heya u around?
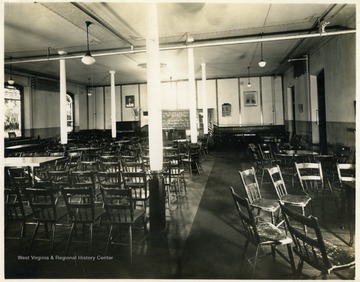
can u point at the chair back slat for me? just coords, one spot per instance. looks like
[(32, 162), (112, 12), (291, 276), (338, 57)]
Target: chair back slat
[(118, 205), (310, 246), (278, 181), (250, 183), (246, 217), (80, 204), (43, 204)]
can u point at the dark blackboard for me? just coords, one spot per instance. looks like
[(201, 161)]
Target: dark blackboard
[(179, 119)]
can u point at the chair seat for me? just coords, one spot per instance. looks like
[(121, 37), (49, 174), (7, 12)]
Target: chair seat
[(269, 232), (99, 212), (140, 195), (269, 205), (296, 200), (338, 257), (125, 218)]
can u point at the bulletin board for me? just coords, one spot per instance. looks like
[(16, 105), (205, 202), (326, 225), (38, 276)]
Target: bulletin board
[(176, 119)]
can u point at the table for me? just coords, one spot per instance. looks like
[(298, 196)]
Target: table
[(20, 148), (349, 187), (302, 155), (299, 153), (30, 162)]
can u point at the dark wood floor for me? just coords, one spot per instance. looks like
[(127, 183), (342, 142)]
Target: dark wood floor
[(163, 255)]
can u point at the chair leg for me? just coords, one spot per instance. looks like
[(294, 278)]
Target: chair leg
[(303, 213), (244, 253), (130, 244), (69, 238), (255, 261), (299, 269), (34, 235), (52, 238), (91, 236), (109, 239), (22, 234), (262, 177), (291, 258)]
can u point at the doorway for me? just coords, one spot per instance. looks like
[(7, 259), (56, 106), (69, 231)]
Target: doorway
[(322, 112), (292, 89)]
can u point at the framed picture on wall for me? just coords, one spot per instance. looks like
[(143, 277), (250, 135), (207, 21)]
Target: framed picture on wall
[(250, 98), (129, 101)]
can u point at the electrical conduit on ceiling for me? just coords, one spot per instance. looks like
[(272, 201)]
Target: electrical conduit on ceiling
[(210, 43)]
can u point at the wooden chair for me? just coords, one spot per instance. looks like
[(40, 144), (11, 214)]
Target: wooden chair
[(346, 176), (251, 186), (312, 248), (137, 182), (82, 211), (312, 183), (191, 160), (74, 159), (300, 201), (121, 213), (85, 179), (177, 172), (109, 179), (46, 213), (171, 187), (15, 213), (260, 162), (261, 234), (343, 154)]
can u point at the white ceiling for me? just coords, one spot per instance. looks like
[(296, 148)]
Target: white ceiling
[(35, 32)]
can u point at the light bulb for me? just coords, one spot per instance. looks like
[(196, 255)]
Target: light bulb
[(262, 64), (249, 84), (11, 81)]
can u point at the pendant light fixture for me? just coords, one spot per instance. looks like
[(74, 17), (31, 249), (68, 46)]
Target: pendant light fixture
[(262, 63), (249, 84), (89, 89), (88, 59), (11, 81)]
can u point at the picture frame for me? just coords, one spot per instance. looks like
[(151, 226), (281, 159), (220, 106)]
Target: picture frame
[(130, 101), (250, 98)]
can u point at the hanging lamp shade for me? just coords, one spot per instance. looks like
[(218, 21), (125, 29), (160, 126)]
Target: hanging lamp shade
[(87, 59), (262, 63), (89, 89), (11, 81)]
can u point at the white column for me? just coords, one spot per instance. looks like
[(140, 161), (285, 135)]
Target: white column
[(113, 104), (192, 95), (204, 98), (154, 90), (63, 121)]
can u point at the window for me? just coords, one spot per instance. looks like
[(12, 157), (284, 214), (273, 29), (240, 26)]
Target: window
[(13, 114), (70, 112)]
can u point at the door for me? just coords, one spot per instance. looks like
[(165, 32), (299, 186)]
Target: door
[(321, 114), (293, 110)]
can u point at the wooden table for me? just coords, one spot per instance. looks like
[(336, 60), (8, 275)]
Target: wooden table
[(299, 155), (349, 187), (20, 148), (30, 162)]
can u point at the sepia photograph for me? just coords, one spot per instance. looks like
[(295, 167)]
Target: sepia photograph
[(179, 140)]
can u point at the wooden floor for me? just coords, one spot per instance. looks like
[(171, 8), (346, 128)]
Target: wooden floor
[(162, 255)]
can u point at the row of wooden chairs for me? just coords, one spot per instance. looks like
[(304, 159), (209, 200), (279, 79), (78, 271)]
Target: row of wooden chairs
[(41, 207), (310, 176)]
